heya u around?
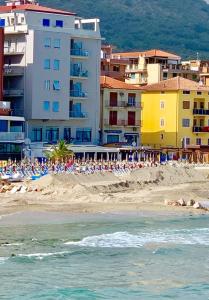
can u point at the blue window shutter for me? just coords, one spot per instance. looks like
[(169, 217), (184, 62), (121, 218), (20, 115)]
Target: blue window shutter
[(2, 22), (46, 22), (59, 23)]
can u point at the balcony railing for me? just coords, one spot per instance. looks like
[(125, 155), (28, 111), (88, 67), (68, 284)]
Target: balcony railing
[(14, 50), (78, 114), (78, 94), (200, 111), (12, 136), (201, 129), (13, 71), (82, 74), (123, 104), (79, 52), (137, 123), (13, 93)]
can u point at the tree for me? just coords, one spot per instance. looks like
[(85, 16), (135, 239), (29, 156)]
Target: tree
[(59, 152)]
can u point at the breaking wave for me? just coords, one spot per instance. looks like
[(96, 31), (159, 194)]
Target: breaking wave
[(127, 240)]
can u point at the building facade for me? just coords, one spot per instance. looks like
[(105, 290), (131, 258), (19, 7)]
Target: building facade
[(153, 66), (110, 66), (51, 72), (175, 114), (120, 113)]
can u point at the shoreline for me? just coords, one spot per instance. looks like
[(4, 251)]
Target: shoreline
[(141, 191)]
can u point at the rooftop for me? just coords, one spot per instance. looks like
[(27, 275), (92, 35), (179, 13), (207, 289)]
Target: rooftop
[(175, 84), (148, 53), (111, 83), (34, 8)]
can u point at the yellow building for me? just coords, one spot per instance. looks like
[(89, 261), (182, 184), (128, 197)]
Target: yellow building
[(175, 113)]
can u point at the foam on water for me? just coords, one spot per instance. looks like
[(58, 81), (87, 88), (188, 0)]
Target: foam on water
[(3, 260), (127, 240), (42, 255)]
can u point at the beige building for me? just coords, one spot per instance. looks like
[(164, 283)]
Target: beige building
[(153, 66), (120, 112)]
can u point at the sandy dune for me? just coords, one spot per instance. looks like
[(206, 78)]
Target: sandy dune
[(142, 190)]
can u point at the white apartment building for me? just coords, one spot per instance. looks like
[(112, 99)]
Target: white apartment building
[(52, 69)]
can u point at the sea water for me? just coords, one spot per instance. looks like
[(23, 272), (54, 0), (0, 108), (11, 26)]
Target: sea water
[(111, 256)]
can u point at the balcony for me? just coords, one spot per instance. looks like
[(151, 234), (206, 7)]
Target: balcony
[(13, 71), (201, 111), (135, 68), (203, 129), (123, 104), (79, 53), (14, 50), (12, 136), (78, 94), (136, 123), (78, 115), (13, 93), (79, 74)]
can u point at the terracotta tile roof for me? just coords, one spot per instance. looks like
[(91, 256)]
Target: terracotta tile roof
[(111, 83), (35, 8), (149, 53), (175, 84)]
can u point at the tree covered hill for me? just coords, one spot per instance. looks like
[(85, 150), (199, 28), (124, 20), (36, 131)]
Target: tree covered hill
[(180, 26)]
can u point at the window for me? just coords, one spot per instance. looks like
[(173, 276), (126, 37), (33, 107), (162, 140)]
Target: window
[(59, 23), (46, 105), (47, 64), (2, 22), (165, 75), (112, 138), (198, 141), (133, 76), (162, 92), (57, 43), (56, 65), (199, 93), (162, 104), (47, 85), (186, 105), (83, 135), (185, 122), (56, 85), (131, 99), (55, 106), (162, 122), (116, 68), (52, 134), (187, 141), (3, 126), (37, 134), (46, 22), (186, 92), (47, 42), (162, 136), (67, 134)]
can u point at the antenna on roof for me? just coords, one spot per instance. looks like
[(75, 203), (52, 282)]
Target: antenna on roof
[(198, 56)]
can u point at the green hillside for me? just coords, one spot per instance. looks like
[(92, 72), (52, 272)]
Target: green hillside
[(181, 26)]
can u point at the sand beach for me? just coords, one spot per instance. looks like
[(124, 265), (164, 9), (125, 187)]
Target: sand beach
[(146, 189)]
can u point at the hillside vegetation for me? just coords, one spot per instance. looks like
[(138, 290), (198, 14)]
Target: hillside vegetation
[(181, 26)]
